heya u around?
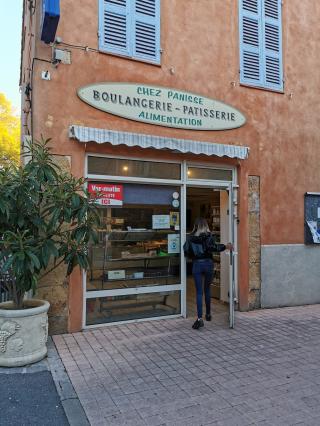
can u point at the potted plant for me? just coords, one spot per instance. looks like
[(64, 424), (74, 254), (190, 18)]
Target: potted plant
[(46, 219)]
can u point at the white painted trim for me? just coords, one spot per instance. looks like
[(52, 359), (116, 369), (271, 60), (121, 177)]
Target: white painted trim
[(235, 240), (134, 180), (210, 165), (111, 324), (94, 294), (183, 273), (84, 298), (231, 259), (214, 184), (132, 157)]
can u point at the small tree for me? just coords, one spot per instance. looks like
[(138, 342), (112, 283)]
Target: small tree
[(46, 219), (9, 132)]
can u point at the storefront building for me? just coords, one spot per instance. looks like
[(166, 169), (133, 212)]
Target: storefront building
[(174, 112)]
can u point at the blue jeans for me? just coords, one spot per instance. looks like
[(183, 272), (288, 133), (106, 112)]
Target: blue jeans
[(200, 268)]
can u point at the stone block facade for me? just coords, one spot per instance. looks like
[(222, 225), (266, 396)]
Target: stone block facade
[(254, 242)]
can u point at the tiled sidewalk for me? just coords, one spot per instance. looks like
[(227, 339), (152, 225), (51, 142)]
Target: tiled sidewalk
[(265, 372)]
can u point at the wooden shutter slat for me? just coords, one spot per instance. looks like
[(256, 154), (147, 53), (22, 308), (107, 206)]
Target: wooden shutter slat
[(116, 2), (146, 7), (272, 75), (251, 32), (115, 29), (271, 8), (250, 5), (145, 39), (251, 66), (272, 37)]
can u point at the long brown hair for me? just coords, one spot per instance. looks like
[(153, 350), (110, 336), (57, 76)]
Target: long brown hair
[(200, 226)]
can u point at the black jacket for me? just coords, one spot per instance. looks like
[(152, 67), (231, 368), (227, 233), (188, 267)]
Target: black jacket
[(201, 246)]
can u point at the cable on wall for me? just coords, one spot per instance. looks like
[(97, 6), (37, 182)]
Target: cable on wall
[(29, 93)]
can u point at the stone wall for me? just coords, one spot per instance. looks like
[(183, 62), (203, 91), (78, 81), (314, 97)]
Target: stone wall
[(54, 288), (254, 242)]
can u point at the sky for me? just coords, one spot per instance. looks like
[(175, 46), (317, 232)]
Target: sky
[(10, 40)]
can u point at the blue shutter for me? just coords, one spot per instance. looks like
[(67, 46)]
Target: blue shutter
[(251, 42), (272, 58), (114, 26), (146, 30)]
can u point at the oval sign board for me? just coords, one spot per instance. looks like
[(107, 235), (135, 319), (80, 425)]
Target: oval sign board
[(161, 106)]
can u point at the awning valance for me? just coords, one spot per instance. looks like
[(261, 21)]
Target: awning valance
[(90, 134)]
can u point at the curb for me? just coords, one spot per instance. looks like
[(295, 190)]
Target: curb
[(73, 409)]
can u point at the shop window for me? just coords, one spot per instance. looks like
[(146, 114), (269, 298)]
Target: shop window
[(209, 174), (139, 237), (133, 168), (261, 43), (130, 28)]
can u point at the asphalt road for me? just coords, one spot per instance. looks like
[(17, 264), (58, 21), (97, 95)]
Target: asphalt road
[(30, 400)]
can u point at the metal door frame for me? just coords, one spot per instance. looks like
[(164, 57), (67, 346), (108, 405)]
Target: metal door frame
[(232, 254), (231, 187)]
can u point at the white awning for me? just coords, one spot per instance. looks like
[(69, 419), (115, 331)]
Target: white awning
[(90, 134)]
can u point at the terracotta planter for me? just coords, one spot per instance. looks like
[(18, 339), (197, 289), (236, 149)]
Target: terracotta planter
[(23, 333)]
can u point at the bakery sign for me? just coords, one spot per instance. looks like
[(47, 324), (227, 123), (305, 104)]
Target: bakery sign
[(162, 106), (108, 194)]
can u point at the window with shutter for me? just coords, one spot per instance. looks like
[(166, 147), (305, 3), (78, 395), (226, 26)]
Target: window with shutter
[(260, 43), (130, 28)]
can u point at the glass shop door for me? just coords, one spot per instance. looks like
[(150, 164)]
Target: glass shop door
[(221, 210)]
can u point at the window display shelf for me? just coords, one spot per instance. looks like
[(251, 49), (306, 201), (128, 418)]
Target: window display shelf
[(155, 244), (129, 258), (134, 241), (127, 278), (135, 235)]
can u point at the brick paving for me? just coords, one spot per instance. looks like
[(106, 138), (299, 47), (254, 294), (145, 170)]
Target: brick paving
[(265, 372)]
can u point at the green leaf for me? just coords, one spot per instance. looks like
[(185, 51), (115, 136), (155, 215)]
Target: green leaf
[(79, 234), (34, 259), (34, 282), (20, 221), (5, 267), (75, 199)]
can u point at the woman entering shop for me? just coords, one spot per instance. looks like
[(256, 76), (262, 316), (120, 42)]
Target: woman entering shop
[(200, 246)]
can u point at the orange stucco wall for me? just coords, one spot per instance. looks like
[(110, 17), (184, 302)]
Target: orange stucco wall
[(200, 45)]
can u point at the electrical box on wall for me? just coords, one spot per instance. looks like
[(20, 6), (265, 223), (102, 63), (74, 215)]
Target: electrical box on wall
[(63, 56), (50, 20)]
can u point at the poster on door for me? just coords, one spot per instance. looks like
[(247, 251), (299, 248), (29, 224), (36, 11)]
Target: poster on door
[(109, 194), (160, 221), (173, 243)]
